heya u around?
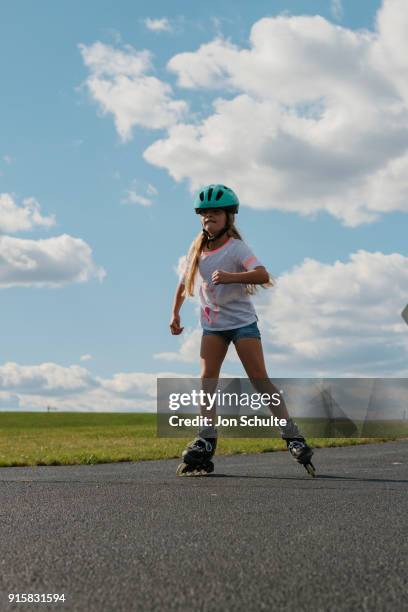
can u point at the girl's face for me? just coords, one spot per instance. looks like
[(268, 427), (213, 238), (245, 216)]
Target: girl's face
[(213, 219)]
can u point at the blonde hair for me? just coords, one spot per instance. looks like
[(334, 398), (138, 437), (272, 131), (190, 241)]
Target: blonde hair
[(194, 258)]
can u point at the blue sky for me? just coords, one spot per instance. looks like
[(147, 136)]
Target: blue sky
[(98, 326)]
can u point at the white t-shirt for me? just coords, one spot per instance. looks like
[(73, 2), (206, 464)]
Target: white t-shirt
[(225, 306)]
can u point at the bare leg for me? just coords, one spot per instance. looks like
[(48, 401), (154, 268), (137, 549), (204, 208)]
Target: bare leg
[(212, 354), (251, 355)]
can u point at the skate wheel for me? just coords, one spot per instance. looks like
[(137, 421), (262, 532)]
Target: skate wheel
[(209, 468), (310, 469), (184, 469), (204, 470)]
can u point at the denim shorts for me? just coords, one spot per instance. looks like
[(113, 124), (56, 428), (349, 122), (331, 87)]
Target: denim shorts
[(246, 331)]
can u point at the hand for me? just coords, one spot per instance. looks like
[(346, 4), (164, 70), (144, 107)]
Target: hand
[(220, 277), (175, 325)]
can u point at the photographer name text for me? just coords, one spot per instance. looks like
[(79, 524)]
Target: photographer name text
[(223, 421)]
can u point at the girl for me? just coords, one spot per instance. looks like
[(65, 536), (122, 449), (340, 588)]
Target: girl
[(229, 273)]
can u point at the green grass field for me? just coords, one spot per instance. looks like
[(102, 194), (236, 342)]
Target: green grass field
[(30, 438)]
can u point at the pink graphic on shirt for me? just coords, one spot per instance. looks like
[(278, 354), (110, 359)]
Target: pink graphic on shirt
[(208, 296)]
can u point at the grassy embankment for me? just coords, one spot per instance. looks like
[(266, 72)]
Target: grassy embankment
[(29, 438)]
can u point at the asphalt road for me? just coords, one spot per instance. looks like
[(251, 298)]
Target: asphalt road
[(260, 534)]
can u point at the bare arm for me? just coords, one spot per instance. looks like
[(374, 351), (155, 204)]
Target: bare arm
[(175, 313), (258, 276)]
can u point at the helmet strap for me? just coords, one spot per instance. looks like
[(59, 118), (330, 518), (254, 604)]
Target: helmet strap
[(210, 238)]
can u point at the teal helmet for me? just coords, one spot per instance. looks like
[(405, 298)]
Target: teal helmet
[(216, 196)]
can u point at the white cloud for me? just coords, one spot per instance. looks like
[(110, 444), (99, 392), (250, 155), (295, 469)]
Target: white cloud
[(8, 159), (5, 397), (132, 197), (131, 383), (86, 357), (106, 61), (189, 349), (119, 82), (336, 8), (15, 218), (181, 266), (158, 25), (316, 117), (209, 67), (44, 378), (390, 51), (51, 262), (340, 319), (74, 388)]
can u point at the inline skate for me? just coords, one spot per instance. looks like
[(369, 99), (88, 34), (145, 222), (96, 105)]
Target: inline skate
[(197, 456), (297, 446)]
